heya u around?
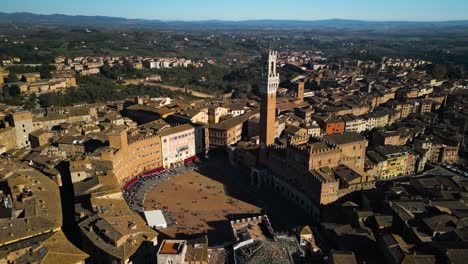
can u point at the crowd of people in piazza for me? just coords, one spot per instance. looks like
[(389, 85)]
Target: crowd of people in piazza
[(135, 193)]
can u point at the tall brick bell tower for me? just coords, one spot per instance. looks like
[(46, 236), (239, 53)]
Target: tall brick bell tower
[(269, 86)]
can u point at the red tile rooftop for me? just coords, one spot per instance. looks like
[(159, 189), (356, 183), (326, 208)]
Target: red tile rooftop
[(171, 248)]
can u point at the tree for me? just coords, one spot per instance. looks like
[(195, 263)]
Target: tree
[(30, 102), (11, 78), (45, 70), (14, 90), (11, 95), (439, 71), (106, 70), (456, 72), (96, 88)]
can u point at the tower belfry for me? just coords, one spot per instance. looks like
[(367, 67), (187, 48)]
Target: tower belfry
[(268, 87)]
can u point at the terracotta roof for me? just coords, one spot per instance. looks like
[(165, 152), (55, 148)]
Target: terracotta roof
[(344, 138), (171, 247), (232, 122), (174, 130)]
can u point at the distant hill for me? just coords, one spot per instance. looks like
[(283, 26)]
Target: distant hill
[(104, 21), (58, 19)]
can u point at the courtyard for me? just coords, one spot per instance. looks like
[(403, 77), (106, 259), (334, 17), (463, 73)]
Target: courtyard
[(194, 201), (203, 201)]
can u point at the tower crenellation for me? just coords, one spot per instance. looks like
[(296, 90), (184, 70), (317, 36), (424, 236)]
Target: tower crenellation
[(270, 77)]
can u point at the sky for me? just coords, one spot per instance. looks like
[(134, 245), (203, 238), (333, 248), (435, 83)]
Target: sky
[(374, 10)]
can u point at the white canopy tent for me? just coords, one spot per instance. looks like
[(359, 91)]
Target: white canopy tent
[(155, 219)]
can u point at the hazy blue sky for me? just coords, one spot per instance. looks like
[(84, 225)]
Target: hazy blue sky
[(413, 10)]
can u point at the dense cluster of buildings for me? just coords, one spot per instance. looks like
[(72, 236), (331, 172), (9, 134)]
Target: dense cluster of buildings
[(318, 168), (355, 131), (32, 83), (67, 68), (298, 58), (31, 218), (110, 231), (417, 220), (91, 65)]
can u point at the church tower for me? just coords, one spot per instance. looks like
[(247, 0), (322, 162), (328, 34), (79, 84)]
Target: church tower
[(269, 86)]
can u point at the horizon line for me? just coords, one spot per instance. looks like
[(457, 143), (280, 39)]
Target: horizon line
[(241, 20)]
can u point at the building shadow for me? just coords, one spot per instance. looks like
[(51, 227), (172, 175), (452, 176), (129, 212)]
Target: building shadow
[(283, 214), (219, 232)]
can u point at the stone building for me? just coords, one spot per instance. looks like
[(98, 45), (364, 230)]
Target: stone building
[(387, 162), (383, 137), (439, 150), (215, 113), (177, 144), (354, 123), (308, 171), (352, 146), (31, 217), (7, 138), (331, 124), (40, 138), (132, 155), (305, 171), (23, 123), (110, 231), (253, 127), (172, 252)]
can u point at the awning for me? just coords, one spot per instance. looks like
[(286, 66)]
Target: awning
[(153, 171), (130, 183), (191, 159)]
